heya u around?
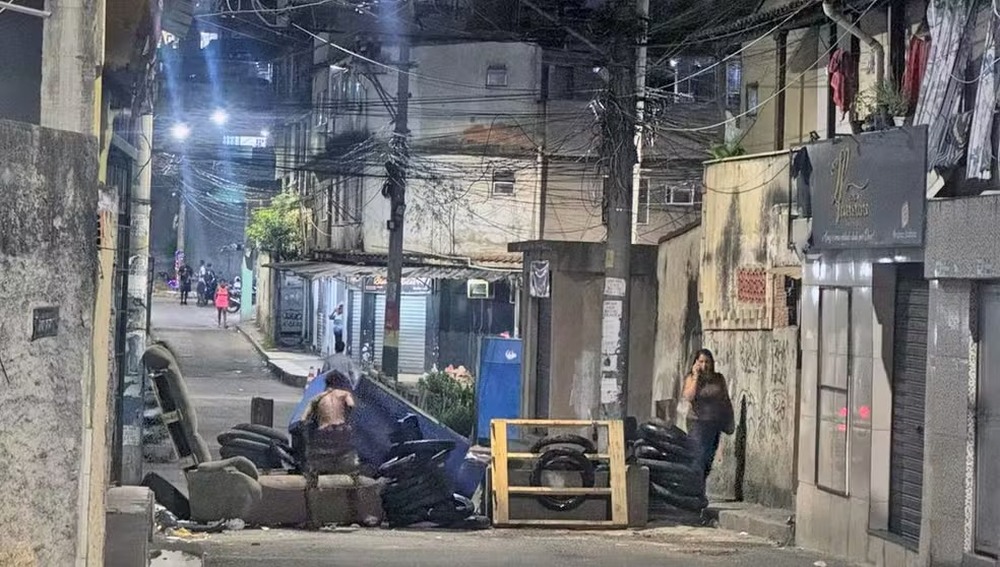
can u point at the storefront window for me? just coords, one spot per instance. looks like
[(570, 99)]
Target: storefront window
[(834, 394)]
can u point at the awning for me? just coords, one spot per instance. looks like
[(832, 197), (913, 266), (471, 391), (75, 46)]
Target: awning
[(313, 270)]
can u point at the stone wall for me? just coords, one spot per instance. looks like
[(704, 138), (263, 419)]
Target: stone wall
[(48, 255)]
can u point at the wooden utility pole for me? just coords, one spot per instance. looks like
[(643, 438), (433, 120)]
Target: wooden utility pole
[(618, 154), (395, 190)]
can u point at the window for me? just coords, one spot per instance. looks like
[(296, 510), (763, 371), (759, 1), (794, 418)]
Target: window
[(503, 182), (496, 76), (833, 426), (562, 83), (642, 212), (662, 192), (753, 99), (734, 78)]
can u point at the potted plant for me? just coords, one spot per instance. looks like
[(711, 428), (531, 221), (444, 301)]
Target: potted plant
[(891, 103)]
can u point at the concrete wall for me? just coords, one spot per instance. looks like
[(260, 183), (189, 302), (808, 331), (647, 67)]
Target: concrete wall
[(757, 463), (739, 227), (450, 210), (264, 309), (48, 183), (744, 262), (573, 341), (678, 320)]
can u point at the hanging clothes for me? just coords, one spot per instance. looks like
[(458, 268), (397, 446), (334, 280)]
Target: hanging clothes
[(916, 65), (840, 71)]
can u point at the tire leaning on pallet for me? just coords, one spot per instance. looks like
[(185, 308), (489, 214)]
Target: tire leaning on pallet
[(566, 439), (663, 451), (573, 460)]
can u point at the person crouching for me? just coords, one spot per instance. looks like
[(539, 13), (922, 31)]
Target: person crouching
[(328, 443)]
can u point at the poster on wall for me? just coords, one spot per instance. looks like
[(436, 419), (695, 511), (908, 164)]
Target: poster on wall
[(869, 191), (539, 283)]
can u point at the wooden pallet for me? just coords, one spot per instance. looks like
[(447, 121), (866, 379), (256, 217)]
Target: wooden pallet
[(501, 489)]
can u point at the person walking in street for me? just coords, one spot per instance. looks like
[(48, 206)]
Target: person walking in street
[(340, 362), (338, 324), (222, 304), (184, 276), (711, 409)]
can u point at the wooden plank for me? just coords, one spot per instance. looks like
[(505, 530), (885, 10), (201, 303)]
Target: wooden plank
[(619, 492), (554, 422), (592, 456), (498, 448), (559, 490)]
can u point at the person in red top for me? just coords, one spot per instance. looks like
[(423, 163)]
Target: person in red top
[(222, 303)]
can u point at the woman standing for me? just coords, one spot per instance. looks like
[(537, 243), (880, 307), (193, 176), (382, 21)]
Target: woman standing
[(711, 412), (222, 303)]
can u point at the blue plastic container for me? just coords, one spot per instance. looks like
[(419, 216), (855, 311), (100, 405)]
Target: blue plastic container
[(498, 385)]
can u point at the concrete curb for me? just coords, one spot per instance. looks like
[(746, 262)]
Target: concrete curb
[(164, 543), (285, 377), (769, 523)]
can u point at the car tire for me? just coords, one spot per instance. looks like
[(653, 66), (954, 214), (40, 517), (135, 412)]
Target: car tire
[(688, 503), (578, 462), (567, 439)]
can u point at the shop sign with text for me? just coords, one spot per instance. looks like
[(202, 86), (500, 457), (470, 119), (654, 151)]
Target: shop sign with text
[(868, 191)]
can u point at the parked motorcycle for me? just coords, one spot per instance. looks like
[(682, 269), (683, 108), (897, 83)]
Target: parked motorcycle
[(234, 301)]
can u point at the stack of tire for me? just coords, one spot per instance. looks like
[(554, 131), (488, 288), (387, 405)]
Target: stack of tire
[(265, 446), (675, 476), (416, 489), (563, 453)]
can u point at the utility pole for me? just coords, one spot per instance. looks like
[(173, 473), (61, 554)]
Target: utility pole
[(642, 11), (618, 153), (181, 222), (395, 190), (138, 297)]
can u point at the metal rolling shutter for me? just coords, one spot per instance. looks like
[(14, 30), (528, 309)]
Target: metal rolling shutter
[(906, 461), (322, 314), (354, 316), (412, 333), (379, 327)]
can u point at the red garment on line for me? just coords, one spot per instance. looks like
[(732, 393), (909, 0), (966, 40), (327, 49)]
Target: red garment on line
[(916, 66), (841, 73)]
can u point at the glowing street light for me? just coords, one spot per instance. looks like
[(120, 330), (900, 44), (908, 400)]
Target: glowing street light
[(265, 133), (180, 131), (219, 117)]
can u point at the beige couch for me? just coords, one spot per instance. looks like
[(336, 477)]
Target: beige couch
[(234, 488)]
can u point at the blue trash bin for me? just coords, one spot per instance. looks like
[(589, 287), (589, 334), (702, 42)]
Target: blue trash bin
[(498, 385)]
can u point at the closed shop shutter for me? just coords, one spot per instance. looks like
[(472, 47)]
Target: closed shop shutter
[(906, 464), (412, 333), (354, 316), (322, 314), (379, 327)]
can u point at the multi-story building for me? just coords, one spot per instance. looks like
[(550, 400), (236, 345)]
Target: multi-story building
[(868, 128), (503, 147)]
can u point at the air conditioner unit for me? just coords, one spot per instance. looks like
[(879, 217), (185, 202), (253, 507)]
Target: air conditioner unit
[(478, 289)]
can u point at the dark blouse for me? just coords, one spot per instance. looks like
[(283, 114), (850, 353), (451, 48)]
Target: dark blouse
[(711, 400)]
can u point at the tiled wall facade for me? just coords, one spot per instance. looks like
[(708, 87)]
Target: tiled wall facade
[(849, 525)]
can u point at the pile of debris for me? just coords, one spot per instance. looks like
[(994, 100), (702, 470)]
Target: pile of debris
[(415, 488)]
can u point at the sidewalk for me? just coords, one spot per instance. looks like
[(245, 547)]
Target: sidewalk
[(290, 367), (774, 524)]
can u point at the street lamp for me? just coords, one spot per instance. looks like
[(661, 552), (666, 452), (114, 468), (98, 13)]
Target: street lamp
[(219, 117), (180, 131), (265, 133)]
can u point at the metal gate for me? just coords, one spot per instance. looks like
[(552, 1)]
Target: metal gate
[(354, 316), (412, 333), (909, 376)]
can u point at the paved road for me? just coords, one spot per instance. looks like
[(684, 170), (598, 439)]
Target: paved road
[(222, 371), (678, 546)]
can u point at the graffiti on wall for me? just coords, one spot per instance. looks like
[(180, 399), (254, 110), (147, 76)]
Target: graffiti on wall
[(757, 462)]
